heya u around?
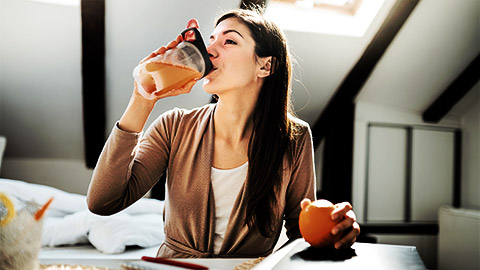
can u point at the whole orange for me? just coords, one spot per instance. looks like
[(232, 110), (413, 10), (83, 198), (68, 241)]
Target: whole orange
[(316, 223)]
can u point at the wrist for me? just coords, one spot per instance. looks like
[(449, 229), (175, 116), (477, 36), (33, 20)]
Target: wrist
[(136, 114), (141, 102)]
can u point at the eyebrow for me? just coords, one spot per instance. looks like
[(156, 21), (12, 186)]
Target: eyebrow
[(230, 31)]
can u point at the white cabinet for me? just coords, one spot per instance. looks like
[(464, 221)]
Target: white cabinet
[(432, 173), (386, 174), (409, 173)]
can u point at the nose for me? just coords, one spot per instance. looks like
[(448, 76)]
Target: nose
[(212, 53)]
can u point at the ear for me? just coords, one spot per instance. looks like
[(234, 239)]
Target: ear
[(265, 64)]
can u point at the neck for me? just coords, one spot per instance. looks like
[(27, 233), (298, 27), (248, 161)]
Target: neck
[(234, 113), (233, 121)]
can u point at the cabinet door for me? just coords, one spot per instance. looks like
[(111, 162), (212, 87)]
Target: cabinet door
[(432, 172), (386, 174)]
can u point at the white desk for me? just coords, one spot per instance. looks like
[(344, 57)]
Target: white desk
[(297, 255), (89, 256), (212, 264)]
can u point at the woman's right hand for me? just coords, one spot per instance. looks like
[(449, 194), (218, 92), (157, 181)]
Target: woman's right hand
[(139, 107), (177, 91)]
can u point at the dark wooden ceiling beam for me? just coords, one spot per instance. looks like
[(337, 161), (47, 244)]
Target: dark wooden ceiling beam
[(454, 92), (359, 74), (93, 78)]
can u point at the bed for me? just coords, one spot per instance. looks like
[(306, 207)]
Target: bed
[(74, 238), (70, 232)]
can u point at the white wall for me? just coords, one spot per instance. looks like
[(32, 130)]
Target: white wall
[(41, 108), (468, 122), (467, 119), (136, 28), (40, 78), (2, 44), (370, 112), (66, 174), (41, 87), (470, 152)]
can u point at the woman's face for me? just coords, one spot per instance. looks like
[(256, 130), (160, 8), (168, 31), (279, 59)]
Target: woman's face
[(232, 52)]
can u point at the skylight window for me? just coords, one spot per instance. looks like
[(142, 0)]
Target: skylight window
[(342, 6), (70, 3), (334, 17)]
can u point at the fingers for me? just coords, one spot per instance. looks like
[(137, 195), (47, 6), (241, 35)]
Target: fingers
[(349, 237), (345, 224), (348, 226), (341, 210), (305, 202), (163, 49), (154, 54), (192, 23), (175, 42), (187, 88)]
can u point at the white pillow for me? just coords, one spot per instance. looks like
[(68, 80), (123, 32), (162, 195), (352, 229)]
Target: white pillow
[(63, 203), (68, 222), (114, 233), (67, 203)]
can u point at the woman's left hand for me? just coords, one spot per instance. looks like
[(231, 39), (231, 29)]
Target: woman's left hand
[(348, 225)]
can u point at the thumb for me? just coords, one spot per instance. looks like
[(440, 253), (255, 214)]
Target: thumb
[(192, 23), (305, 202)]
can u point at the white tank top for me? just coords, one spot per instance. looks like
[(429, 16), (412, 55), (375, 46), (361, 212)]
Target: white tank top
[(226, 185)]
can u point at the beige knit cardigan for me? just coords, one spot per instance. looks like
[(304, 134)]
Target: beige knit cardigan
[(182, 141)]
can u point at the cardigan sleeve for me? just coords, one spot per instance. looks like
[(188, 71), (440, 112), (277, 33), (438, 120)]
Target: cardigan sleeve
[(302, 182), (129, 165)]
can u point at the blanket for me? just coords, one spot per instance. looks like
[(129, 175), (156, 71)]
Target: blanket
[(68, 221)]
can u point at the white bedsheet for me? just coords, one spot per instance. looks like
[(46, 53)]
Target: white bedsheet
[(68, 221), (89, 255), (84, 252)]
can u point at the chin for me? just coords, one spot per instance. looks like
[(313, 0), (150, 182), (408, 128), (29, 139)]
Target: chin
[(208, 86)]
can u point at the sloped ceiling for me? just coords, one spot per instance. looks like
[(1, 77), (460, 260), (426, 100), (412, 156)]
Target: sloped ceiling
[(435, 45)]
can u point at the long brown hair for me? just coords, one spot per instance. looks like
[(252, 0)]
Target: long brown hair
[(272, 129)]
